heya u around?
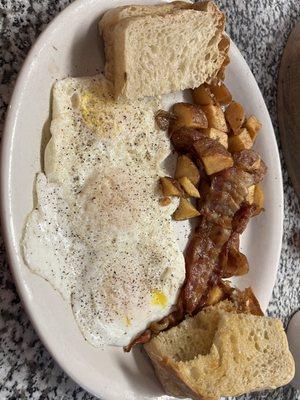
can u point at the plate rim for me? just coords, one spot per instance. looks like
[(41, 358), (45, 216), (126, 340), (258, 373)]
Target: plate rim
[(5, 184)]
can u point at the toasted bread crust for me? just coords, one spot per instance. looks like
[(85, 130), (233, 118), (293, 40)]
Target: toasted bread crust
[(247, 353)]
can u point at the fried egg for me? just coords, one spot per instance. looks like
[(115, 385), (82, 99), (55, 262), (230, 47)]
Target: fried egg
[(98, 233)]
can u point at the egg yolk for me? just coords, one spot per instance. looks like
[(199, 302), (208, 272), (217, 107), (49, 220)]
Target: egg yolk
[(96, 112), (127, 321), (159, 298)]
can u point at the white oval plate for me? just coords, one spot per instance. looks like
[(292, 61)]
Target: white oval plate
[(71, 46)]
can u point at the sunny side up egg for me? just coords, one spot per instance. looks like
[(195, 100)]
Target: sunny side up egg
[(98, 233)]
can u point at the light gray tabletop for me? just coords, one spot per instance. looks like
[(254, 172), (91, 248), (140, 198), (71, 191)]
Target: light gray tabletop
[(260, 29)]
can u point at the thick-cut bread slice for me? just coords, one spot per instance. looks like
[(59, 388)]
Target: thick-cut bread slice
[(115, 15), (157, 54), (221, 353)]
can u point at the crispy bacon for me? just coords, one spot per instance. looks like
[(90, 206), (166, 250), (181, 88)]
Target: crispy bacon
[(141, 339), (231, 261), (213, 246), (243, 301), (246, 302), (228, 190), (201, 261)]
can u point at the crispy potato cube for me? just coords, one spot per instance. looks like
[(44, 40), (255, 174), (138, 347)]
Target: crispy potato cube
[(188, 187), (214, 296), (257, 164), (250, 195), (162, 119), (256, 197), (240, 142), (170, 187), (259, 197), (218, 135), (215, 117), (185, 210), (213, 155), (202, 95), (186, 168), (253, 125), (184, 138), (216, 163), (235, 116), (188, 116), (165, 201), (221, 94)]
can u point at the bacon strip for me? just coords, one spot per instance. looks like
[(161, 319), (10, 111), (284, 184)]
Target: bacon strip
[(224, 217), (201, 261), (141, 339), (231, 261)]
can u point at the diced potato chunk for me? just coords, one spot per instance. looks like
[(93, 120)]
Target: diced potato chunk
[(213, 155), (165, 201), (259, 197), (256, 197), (186, 167), (185, 210), (256, 165), (162, 119), (253, 125), (221, 94), (202, 95), (250, 195), (188, 187), (214, 296), (216, 162), (170, 187), (215, 117), (241, 141), (188, 116), (218, 135), (184, 138), (235, 116)]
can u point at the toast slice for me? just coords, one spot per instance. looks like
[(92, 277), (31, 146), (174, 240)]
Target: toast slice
[(112, 17), (159, 54), (221, 353)]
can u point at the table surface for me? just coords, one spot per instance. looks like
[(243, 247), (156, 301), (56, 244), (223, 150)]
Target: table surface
[(260, 29)]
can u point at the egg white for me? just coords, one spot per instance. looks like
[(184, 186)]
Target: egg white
[(98, 233)]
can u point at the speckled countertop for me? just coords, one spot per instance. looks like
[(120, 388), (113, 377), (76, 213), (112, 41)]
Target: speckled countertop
[(260, 28)]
